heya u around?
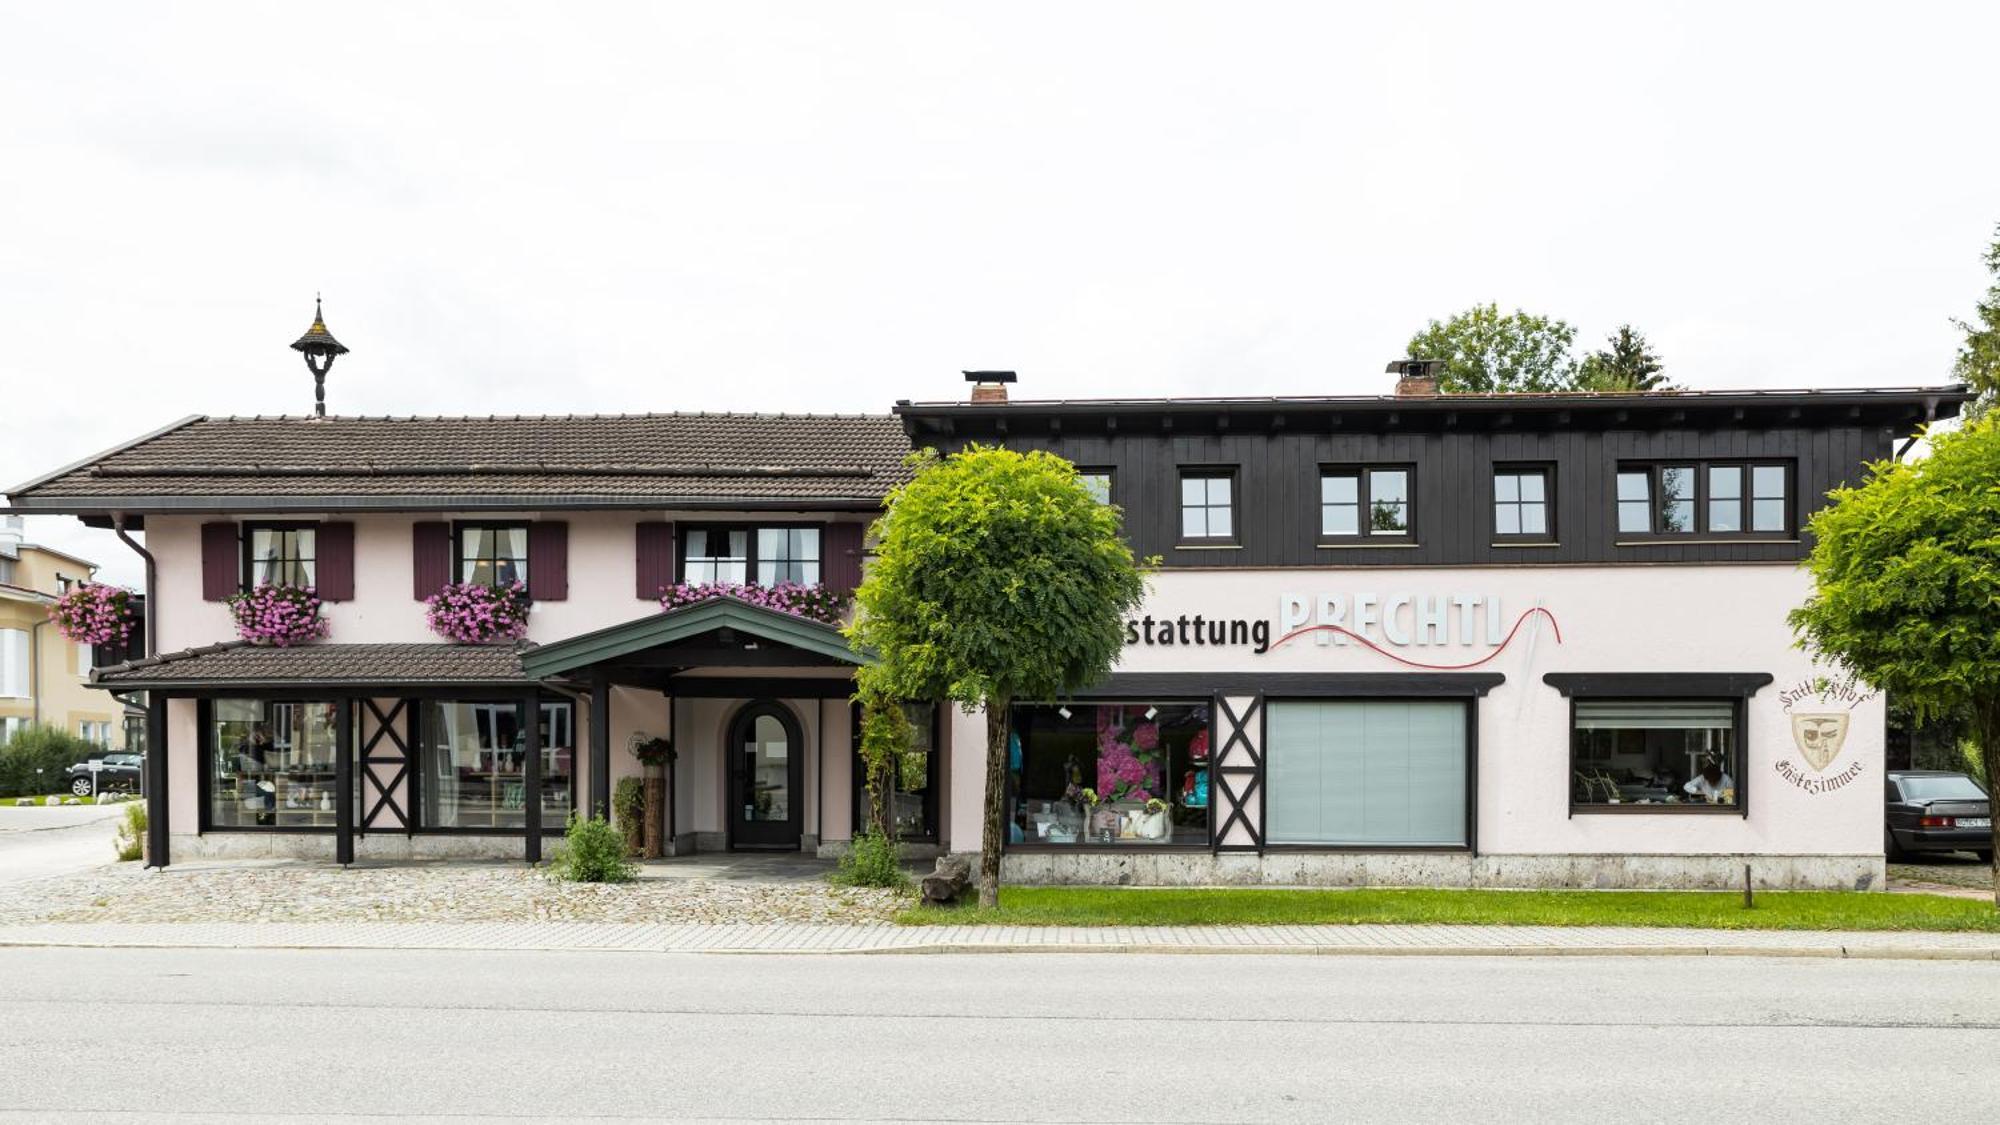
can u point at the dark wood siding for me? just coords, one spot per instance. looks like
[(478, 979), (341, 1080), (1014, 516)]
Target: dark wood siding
[(1277, 506)]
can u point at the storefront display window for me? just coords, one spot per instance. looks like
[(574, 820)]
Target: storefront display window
[(271, 765), (1366, 773), (1654, 752), (473, 754), (1109, 774)]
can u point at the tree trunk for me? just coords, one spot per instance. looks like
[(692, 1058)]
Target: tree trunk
[(1986, 728), (996, 797)]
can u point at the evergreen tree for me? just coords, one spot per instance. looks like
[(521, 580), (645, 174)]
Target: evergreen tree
[(1627, 365), (1978, 361)]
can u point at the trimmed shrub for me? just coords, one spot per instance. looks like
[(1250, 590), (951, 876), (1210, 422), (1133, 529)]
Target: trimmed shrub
[(131, 838), (592, 852), (49, 749), (872, 860)]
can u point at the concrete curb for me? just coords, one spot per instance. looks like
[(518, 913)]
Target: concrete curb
[(814, 944)]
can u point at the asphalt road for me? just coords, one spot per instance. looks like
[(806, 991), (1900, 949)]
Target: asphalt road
[(35, 842), (180, 1035)]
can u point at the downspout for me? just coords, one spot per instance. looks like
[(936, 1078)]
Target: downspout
[(152, 573), (35, 669)]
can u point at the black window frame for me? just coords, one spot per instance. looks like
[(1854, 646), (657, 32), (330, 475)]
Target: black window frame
[(1544, 469), (416, 792), (206, 748), (750, 555), (460, 527), (1230, 473), (859, 781), (1363, 474), (1701, 529), (246, 535), (1011, 791), (1738, 734)]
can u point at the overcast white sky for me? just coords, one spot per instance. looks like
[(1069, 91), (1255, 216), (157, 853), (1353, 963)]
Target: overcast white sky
[(828, 207)]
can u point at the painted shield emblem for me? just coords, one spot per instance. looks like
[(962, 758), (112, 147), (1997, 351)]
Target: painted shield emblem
[(1819, 737)]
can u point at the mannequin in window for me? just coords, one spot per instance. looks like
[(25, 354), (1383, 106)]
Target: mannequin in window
[(1710, 784)]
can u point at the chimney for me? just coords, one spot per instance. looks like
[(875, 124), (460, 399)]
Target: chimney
[(1415, 378), (989, 386), (11, 536)]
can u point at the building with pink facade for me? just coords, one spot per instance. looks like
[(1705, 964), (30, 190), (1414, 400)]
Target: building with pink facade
[(1523, 640)]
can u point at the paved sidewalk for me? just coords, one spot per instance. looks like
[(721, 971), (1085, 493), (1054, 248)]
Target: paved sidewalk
[(811, 938)]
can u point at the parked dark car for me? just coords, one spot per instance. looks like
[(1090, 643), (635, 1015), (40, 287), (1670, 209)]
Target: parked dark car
[(120, 772), (1937, 811)]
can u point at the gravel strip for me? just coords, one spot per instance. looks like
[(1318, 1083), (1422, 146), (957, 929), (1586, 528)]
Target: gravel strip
[(304, 892)]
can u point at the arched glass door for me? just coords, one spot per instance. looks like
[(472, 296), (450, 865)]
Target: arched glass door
[(767, 774)]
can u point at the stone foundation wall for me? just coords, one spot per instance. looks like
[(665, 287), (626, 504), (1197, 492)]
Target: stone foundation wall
[(1349, 869), (316, 846)]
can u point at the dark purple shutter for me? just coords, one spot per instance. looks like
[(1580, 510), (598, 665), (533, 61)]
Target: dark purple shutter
[(221, 561), (840, 568), (430, 557), (548, 560), (334, 545), (656, 557)]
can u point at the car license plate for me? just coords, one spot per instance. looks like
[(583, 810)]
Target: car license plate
[(1975, 822)]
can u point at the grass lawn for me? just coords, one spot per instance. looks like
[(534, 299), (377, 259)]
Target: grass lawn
[(1268, 906)]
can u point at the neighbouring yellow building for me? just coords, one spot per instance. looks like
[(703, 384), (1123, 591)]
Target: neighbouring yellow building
[(42, 672)]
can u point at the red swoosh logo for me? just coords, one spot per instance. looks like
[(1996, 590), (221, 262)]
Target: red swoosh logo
[(1344, 631)]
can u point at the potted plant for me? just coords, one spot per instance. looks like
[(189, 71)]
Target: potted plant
[(628, 804), (655, 754)]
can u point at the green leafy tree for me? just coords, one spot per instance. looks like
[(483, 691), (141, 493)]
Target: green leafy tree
[(997, 577), (1906, 572), (1486, 351), (1978, 361), (1628, 364)]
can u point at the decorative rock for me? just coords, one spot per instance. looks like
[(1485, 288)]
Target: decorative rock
[(948, 880)]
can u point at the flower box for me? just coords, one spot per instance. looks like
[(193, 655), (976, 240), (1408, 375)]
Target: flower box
[(92, 613), (812, 602), (278, 615), (472, 613)]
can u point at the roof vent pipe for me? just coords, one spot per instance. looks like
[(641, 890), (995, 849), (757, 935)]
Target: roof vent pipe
[(1416, 378), (989, 386)]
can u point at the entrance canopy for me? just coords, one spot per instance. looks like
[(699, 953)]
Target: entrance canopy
[(721, 632)]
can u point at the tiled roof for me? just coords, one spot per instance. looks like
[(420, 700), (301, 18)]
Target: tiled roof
[(623, 460), (240, 664)]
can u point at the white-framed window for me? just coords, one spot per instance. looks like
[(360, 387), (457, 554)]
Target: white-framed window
[(16, 677), (95, 733), (86, 655)]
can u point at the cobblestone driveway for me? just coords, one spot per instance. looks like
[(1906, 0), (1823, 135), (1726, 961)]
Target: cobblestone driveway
[(314, 892)]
